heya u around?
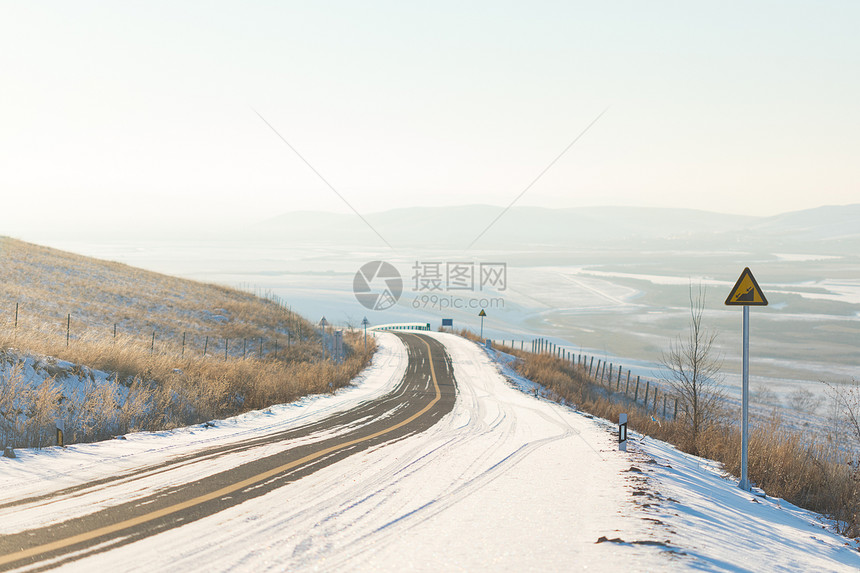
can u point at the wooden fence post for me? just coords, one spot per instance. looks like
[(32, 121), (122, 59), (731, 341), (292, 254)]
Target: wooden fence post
[(647, 388), (68, 328), (636, 395), (152, 344), (226, 345), (183, 344), (627, 389), (205, 346)]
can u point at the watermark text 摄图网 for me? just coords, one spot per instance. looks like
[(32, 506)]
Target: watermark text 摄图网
[(436, 276), (439, 285), (444, 302)]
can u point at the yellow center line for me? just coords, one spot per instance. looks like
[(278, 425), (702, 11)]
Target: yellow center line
[(108, 529)]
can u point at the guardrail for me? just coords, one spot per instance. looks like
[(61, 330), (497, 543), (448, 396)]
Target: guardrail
[(403, 326)]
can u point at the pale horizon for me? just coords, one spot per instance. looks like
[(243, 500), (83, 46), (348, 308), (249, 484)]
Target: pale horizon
[(159, 112)]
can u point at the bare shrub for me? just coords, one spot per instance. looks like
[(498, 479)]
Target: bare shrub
[(802, 400), (693, 368), (13, 390), (764, 395), (846, 401)]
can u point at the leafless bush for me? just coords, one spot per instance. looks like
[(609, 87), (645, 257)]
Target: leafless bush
[(802, 400), (693, 372), (764, 395), (846, 415)]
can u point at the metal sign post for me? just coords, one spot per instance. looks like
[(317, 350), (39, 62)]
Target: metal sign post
[(338, 346), (746, 293), (482, 314), (364, 323), (745, 426), (323, 323)]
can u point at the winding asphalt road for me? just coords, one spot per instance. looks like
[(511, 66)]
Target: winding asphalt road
[(426, 393)]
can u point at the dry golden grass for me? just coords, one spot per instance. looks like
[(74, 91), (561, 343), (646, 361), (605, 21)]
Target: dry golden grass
[(156, 385), (784, 462)]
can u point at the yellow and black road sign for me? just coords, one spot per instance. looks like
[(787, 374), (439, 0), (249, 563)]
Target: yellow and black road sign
[(482, 313), (746, 292)]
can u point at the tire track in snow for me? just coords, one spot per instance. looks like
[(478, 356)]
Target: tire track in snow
[(201, 498)]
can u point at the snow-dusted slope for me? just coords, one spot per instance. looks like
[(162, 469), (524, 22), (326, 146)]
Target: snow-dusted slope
[(505, 482), (709, 523)]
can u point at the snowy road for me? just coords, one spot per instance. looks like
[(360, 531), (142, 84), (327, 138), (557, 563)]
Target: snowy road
[(421, 399), (454, 496), (504, 481)]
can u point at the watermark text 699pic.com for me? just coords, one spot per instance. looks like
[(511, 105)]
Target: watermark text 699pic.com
[(442, 302)]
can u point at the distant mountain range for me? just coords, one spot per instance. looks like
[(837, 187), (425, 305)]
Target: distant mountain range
[(829, 228)]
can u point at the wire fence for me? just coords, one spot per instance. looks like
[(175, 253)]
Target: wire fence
[(161, 341), (648, 395)]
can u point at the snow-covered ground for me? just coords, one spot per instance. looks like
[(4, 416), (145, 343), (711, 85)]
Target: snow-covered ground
[(710, 523), (506, 481)]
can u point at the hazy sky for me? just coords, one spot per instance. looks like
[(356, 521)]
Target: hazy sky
[(114, 110)]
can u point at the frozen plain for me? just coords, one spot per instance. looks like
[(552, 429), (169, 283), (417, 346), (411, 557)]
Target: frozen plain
[(507, 481)]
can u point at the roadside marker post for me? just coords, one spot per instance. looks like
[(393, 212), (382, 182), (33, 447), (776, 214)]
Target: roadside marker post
[(338, 346), (746, 293), (365, 323), (61, 427), (622, 432), (323, 323), (482, 314)]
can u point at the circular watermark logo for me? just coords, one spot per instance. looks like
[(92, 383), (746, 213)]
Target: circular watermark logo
[(377, 285)]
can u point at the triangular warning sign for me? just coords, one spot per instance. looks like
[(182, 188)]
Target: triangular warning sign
[(482, 313), (746, 292)]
